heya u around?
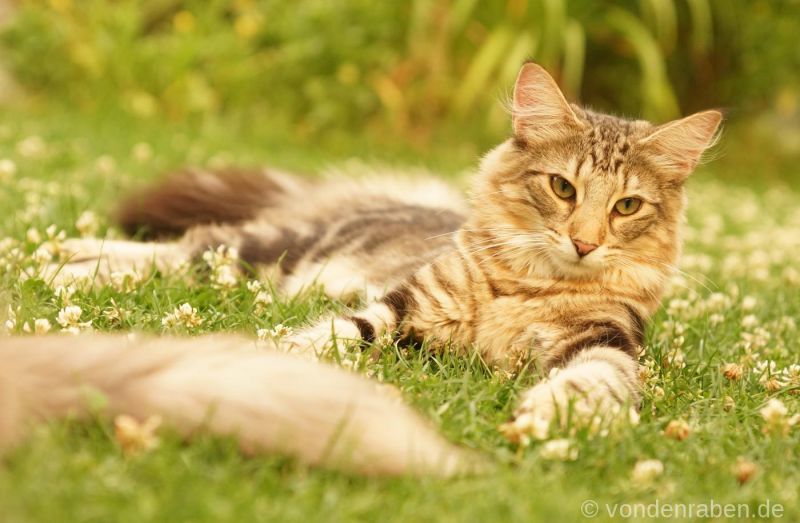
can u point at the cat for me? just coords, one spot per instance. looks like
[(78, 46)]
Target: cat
[(570, 237)]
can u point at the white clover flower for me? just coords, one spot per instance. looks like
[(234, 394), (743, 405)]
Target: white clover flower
[(55, 236), (766, 366), (677, 306), (64, 293), (42, 255), (791, 275), (69, 315), (787, 323), (524, 427), (33, 235), (184, 315), (31, 147), (125, 281), (7, 169), (676, 358), (647, 470), (749, 321), (223, 263), (791, 375), (280, 331), (774, 412), (647, 371), (9, 325), (263, 298), (716, 319), (70, 319), (749, 303), (758, 339), (142, 152), (633, 416), (41, 326), (559, 450), (105, 164), (717, 301), (115, 313), (224, 276), (254, 286), (87, 224)]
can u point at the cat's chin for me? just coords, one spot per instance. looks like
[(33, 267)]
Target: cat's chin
[(568, 264), (580, 270)]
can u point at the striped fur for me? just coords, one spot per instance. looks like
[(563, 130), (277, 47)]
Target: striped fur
[(506, 275)]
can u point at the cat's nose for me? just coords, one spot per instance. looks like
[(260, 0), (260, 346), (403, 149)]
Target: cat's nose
[(583, 248)]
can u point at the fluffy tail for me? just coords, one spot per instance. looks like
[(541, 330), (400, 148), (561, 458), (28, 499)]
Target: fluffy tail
[(196, 196), (271, 402)]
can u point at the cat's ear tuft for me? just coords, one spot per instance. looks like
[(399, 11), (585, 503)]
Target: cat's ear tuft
[(539, 109), (677, 147)]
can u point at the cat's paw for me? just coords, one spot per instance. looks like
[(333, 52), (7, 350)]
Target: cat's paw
[(590, 395), (319, 340), (97, 261)]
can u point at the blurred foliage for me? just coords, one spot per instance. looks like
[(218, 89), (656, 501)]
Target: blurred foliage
[(404, 68)]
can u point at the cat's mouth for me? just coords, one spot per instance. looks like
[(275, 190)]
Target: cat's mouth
[(571, 263)]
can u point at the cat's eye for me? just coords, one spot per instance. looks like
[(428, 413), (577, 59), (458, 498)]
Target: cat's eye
[(628, 206), (562, 187)]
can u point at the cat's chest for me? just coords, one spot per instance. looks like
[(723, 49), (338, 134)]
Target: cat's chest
[(502, 327), (508, 327)]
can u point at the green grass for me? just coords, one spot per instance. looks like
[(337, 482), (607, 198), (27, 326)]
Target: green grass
[(740, 242)]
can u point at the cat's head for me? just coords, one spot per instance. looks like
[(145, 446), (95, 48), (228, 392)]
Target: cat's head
[(580, 195)]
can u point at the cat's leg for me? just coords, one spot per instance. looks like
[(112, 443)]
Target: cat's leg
[(95, 260), (428, 305), (600, 383), (381, 317)]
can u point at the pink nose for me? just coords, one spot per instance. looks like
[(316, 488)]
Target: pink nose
[(583, 248)]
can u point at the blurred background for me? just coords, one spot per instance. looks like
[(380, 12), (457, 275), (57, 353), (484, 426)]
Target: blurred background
[(425, 77)]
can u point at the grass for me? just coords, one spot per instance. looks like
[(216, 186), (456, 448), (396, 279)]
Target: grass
[(737, 302)]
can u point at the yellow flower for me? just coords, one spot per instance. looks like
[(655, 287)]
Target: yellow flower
[(134, 436), (62, 6), (677, 429), (744, 470), (183, 21), (732, 371), (247, 25)]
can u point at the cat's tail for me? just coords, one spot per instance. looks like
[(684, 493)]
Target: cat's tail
[(271, 402), (197, 196)]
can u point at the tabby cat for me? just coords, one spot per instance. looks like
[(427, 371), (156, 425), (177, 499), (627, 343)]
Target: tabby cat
[(563, 253)]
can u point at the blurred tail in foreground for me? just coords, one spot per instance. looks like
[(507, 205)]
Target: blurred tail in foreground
[(271, 402)]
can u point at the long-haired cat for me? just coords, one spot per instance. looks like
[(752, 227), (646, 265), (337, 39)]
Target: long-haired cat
[(562, 255)]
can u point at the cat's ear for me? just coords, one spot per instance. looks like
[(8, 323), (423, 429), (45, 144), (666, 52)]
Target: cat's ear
[(539, 109), (676, 147)]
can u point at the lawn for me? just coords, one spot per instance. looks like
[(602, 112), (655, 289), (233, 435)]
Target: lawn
[(724, 344)]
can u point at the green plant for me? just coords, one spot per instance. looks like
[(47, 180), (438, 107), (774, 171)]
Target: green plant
[(323, 68)]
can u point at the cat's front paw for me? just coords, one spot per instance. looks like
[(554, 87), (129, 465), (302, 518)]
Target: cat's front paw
[(320, 339), (590, 395)]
